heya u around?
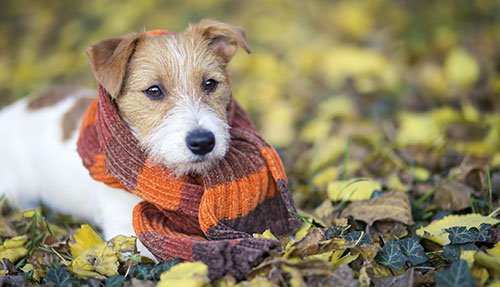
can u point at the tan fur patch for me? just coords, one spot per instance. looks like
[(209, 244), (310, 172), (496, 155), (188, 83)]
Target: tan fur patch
[(71, 119), (50, 97), (178, 63)]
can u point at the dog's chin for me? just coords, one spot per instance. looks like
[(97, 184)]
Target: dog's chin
[(198, 167)]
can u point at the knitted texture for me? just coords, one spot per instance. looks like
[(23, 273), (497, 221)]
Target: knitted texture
[(210, 218)]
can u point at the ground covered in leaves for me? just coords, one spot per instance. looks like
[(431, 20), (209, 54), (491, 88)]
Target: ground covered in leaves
[(385, 113)]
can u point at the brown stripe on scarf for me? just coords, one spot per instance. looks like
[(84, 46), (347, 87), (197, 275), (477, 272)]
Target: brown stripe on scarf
[(209, 218)]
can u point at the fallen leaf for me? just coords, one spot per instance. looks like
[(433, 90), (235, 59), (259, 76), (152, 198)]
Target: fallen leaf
[(413, 250), (314, 242), (461, 69), (390, 206), (6, 229), (453, 196), (488, 261), (84, 239), (188, 274), (59, 276), (266, 234), (436, 230), (391, 256), (457, 275), (452, 252), (13, 249), (102, 260), (402, 280), (342, 277), (352, 190)]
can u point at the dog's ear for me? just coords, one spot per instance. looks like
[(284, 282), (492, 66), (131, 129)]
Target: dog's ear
[(109, 60), (222, 38)]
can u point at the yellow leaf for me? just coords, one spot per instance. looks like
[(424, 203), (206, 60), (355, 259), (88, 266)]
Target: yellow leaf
[(325, 152), (266, 234), (279, 128), (315, 130), (187, 274), (391, 206), (351, 190), (490, 262), (435, 231), (418, 128), (421, 174), (461, 69), (468, 256), (337, 260), (97, 262), (123, 246), (339, 106), (101, 261), (296, 279), (495, 251), (352, 18), (322, 178), (84, 239), (481, 274), (394, 183), (303, 230), (29, 267), (13, 249)]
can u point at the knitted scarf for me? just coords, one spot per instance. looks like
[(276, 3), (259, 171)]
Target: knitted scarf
[(210, 218)]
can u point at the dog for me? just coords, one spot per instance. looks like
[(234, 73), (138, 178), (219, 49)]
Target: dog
[(173, 93)]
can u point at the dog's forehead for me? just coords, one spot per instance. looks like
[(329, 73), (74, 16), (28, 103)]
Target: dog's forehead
[(183, 48)]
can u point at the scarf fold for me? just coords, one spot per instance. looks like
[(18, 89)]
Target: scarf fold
[(210, 218)]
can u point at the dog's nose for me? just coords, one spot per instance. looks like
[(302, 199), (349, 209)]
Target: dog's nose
[(200, 141)]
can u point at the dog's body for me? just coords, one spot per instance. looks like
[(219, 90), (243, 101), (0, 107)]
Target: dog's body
[(38, 165), (173, 92), (175, 160)]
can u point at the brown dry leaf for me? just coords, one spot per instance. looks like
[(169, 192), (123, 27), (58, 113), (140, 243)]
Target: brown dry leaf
[(6, 229), (367, 251), (343, 277), (390, 206), (403, 280), (314, 243), (325, 213), (390, 229), (453, 196)]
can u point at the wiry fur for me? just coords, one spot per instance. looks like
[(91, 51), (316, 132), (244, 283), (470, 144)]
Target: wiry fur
[(166, 144)]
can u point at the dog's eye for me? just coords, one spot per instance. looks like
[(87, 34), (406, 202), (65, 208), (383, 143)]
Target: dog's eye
[(210, 85), (154, 93)]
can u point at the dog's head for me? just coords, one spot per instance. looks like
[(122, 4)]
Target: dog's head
[(173, 90)]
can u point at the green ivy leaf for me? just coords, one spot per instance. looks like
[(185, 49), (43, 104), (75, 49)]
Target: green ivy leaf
[(482, 234), (141, 271), (159, 268), (355, 235), (115, 281), (452, 251), (457, 275), (460, 235), (150, 272), (413, 250), (59, 277), (391, 256)]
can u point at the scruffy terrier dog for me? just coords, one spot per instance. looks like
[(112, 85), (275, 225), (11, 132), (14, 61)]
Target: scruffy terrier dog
[(173, 93)]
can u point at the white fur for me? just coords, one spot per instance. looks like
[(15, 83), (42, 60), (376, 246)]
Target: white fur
[(167, 143), (37, 166)]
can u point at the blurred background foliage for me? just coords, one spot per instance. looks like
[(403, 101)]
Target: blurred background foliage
[(337, 86)]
